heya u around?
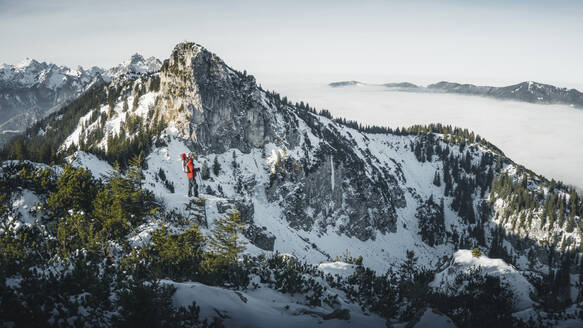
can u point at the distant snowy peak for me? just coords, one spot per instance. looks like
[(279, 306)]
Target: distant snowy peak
[(136, 65), (528, 91), (30, 73), (26, 62)]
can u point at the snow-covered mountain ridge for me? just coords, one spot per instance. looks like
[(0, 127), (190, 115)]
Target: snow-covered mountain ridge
[(31, 90), (315, 188), (30, 73)]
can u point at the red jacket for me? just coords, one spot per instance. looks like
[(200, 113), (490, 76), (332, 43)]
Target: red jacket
[(190, 165)]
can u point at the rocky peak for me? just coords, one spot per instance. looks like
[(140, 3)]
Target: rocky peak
[(27, 63), (211, 104), (136, 58), (137, 65)]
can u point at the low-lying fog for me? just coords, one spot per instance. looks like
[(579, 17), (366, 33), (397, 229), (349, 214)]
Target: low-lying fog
[(545, 138)]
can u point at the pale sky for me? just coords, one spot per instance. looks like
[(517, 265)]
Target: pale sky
[(379, 41)]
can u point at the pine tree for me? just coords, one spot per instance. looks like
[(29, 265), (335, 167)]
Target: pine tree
[(436, 179), (135, 174), (75, 191), (122, 202), (441, 212), (234, 162), (409, 266), (216, 166), (136, 101), (204, 171), (178, 256), (224, 245), (468, 162), (570, 227)]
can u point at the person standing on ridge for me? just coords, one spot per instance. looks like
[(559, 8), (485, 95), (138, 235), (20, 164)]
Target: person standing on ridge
[(191, 175)]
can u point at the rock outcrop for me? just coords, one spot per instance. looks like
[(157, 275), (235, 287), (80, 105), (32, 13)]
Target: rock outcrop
[(211, 104)]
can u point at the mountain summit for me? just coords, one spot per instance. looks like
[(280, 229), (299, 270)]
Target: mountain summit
[(212, 104)]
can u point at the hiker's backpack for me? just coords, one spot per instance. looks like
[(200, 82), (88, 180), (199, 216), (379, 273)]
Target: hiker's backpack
[(184, 160)]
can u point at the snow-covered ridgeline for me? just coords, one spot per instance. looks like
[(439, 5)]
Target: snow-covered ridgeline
[(30, 73)]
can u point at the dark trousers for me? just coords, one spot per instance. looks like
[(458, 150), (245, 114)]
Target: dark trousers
[(192, 184)]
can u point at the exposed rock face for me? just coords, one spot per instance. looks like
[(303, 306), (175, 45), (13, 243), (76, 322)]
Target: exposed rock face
[(260, 237), (334, 192), (211, 104)]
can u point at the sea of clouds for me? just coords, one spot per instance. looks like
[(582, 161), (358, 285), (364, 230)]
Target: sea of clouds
[(545, 138)]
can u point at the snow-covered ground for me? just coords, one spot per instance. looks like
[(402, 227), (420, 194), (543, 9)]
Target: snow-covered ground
[(463, 261), (264, 307), (337, 268), (99, 168)]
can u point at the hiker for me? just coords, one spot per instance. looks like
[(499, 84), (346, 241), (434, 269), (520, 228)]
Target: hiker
[(188, 167)]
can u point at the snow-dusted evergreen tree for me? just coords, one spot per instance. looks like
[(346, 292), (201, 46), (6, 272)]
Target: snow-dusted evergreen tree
[(436, 179), (216, 166), (204, 171), (224, 247)]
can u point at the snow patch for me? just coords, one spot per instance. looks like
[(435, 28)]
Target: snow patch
[(337, 268), (99, 168), (463, 261)]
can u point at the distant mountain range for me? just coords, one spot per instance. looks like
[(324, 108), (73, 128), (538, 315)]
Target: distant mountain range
[(31, 90), (529, 91)]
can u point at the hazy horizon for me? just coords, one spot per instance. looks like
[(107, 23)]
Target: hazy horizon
[(477, 42)]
